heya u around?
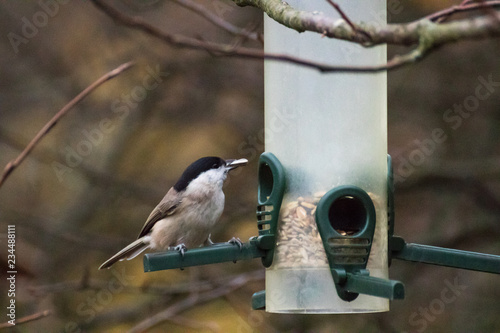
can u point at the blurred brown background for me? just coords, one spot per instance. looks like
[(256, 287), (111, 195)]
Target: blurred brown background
[(87, 188)]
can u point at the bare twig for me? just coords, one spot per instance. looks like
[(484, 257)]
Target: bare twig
[(216, 20), (447, 14), (465, 6), (86, 283), (348, 20), (425, 33), (397, 34), (189, 302), (195, 324), (52, 122), (229, 50), (27, 319), (237, 41), (491, 12), (96, 178), (251, 27)]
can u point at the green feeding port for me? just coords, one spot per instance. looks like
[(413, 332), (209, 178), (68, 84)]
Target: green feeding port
[(346, 221), (266, 178), (347, 215), (270, 195)]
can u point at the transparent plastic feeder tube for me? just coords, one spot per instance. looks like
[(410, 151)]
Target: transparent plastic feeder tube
[(327, 130)]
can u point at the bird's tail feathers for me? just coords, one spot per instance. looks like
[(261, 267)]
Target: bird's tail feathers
[(129, 252)]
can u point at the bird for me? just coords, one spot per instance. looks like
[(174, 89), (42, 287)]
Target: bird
[(186, 215)]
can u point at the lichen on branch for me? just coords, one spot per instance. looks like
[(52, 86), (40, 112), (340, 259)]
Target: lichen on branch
[(412, 33)]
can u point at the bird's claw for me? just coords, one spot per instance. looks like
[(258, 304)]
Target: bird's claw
[(208, 242), (236, 241), (181, 248)]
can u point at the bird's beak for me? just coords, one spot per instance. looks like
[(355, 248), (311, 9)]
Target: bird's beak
[(233, 164)]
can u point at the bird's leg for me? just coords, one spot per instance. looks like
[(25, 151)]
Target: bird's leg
[(181, 248), (208, 241), (236, 241)]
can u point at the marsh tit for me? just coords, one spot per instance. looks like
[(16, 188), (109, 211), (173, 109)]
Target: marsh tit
[(186, 215)]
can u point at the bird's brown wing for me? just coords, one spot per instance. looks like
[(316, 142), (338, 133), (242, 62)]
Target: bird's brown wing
[(166, 207)]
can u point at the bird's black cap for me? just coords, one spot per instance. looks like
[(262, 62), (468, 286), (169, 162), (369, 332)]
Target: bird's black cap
[(196, 168)]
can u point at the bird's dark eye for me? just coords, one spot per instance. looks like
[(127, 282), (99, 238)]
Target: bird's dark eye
[(214, 166)]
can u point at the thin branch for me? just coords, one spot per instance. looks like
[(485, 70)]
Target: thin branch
[(94, 284), (190, 302), (176, 39), (491, 12), (448, 14), (217, 21), (52, 122), (195, 324), (251, 26), (398, 34), (229, 50), (86, 283), (27, 319), (426, 34), (348, 20), (465, 6), (484, 197), (96, 177)]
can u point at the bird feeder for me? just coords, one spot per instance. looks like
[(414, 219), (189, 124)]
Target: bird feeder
[(325, 212), (332, 142)]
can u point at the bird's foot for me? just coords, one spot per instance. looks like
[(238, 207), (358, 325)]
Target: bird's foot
[(208, 241), (181, 248), (236, 241)]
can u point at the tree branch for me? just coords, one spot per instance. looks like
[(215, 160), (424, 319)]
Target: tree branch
[(216, 20), (348, 20), (400, 34), (27, 319), (242, 52), (52, 122), (426, 34)]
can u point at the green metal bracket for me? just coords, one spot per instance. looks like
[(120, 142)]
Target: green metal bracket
[(365, 284), (259, 300), (441, 256), (256, 247), (399, 249)]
